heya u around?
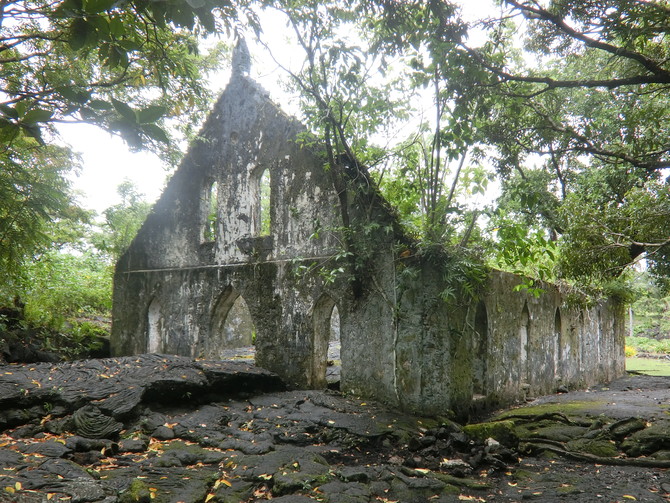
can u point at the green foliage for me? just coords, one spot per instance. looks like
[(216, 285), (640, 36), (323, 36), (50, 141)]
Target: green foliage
[(528, 253), (651, 309), (602, 237), (62, 286), (647, 345), (124, 66), (37, 209), (122, 221)]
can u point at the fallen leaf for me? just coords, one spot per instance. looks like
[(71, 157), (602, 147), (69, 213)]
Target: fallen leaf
[(629, 497)]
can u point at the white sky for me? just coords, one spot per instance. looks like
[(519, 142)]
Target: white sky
[(107, 161)]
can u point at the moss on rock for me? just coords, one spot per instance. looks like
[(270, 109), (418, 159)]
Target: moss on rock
[(502, 431)]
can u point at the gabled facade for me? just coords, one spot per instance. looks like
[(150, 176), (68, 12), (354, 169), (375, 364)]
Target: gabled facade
[(215, 238)]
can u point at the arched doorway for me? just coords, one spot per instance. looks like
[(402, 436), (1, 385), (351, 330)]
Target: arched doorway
[(326, 343), (231, 325), (480, 350)]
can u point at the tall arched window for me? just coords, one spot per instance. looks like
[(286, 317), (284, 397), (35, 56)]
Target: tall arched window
[(558, 341), (262, 211), (210, 212), (480, 350), (154, 327), (524, 339)]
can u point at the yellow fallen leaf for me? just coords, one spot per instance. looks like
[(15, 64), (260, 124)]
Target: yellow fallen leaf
[(209, 497), (629, 497), (220, 481), (10, 490), (18, 486)]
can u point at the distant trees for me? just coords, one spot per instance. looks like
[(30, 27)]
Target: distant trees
[(565, 104), (123, 66)]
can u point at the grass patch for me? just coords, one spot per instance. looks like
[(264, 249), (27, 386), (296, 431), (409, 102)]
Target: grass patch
[(649, 366), (648, 345)]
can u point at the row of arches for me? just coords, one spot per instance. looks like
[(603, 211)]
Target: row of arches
[(261, 214), (232, 326), (529, 347)]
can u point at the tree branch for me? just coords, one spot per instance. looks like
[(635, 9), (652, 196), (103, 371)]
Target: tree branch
[(538, 12)]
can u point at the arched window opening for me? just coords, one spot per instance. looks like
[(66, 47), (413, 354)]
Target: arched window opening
[(558, 342), (262, 218), (232, 325), (154, 328), (210, 211), (334, 325), (480, 350), (326, 345), (524, 338)]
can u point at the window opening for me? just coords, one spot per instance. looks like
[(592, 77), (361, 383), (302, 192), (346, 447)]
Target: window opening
[(263, 212), (524, 337), (480, 350), (211, 213), (558, 341), (154, 327)]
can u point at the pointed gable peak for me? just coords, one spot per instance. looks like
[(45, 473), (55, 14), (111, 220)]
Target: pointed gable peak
[(241, 58)]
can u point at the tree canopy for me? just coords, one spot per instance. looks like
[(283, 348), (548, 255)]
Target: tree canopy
[(565, 103), (124, 66)]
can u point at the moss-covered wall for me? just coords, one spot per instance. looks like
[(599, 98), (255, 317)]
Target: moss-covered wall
[(401, 343)]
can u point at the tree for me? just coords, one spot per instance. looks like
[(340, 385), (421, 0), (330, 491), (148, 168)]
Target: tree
[(122, 221), (37, 208), (581, 133), (124, 66)]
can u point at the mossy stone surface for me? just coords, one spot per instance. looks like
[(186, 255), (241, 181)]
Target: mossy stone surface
[(600, 448), (502, 431), (559, 432), (652, 439)]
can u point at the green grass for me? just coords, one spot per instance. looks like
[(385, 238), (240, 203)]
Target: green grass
[(649, 366), (648, 345)]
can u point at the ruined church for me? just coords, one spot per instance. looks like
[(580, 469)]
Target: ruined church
[(252, 216)]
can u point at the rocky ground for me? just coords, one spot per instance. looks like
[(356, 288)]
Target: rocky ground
[(158, 428)]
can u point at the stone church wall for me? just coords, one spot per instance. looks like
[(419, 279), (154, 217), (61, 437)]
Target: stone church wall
[(205, 246)]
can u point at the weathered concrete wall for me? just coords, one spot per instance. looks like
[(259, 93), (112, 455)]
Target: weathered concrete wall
[(203, 251)]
